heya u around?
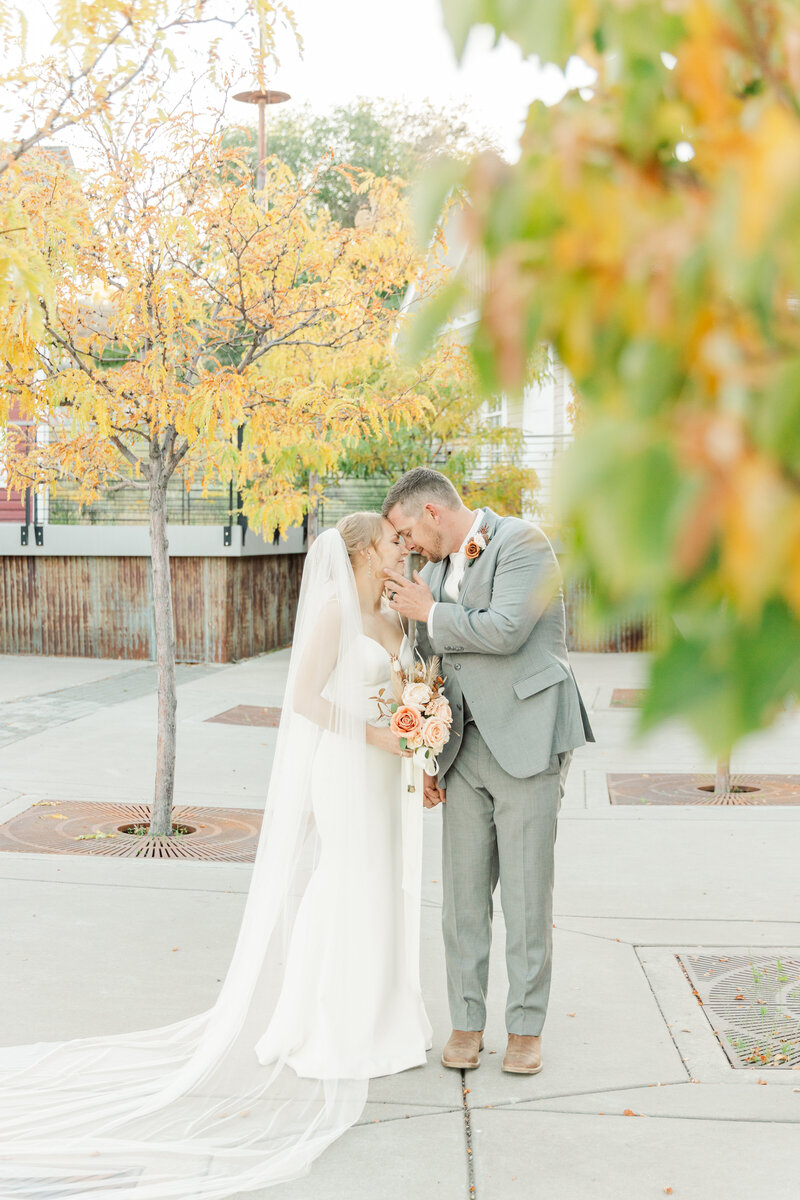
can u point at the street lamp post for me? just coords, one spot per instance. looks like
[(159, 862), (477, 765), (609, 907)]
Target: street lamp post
[(262, 97)]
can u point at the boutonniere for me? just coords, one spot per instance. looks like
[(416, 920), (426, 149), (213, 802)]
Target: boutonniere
[(477, 544)]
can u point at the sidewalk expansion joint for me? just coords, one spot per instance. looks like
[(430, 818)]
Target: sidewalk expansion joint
[(427, 1111), (471, 1193), (595, 1091), (677, 920), (664, 1017), (719, 1119)]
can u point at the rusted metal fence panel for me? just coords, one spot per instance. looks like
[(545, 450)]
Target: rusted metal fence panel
[(226, 609), (101, 607), (618, 639)]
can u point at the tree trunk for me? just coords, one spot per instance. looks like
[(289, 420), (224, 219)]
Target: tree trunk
[(722, 782), (161, 814)]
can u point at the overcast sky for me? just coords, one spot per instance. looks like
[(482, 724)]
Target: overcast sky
[(388, 50), (368, 48)]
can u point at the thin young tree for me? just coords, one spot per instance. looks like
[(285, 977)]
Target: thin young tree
[(181, 309), (79, 66)]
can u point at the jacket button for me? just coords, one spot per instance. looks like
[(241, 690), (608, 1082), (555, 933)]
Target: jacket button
[(456, 666)]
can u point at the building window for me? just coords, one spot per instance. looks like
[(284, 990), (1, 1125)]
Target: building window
[(495, 412)]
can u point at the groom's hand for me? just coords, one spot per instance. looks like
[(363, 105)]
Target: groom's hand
[(432, 794), (412, 598)]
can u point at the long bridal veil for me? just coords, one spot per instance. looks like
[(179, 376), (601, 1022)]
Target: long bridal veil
[(190, 1110)]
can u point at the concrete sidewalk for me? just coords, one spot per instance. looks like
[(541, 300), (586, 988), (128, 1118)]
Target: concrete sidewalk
[(636, 1096)]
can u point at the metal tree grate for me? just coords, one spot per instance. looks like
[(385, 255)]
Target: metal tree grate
[(248, 714), (627, 697), (753, 1004), (84, 827), (654, 788)]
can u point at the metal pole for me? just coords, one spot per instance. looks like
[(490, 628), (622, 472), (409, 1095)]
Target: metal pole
[(261, 97), (261, 169)]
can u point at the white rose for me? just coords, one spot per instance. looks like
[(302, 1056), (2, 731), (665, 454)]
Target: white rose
[(416, 694), (435, 732), (439, 707)]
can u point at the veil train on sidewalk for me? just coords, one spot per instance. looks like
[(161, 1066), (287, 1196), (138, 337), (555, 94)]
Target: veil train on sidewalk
[(188, 1110)]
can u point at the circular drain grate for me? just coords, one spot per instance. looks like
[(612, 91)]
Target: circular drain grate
[(83, 827), (652, 788), (753, 1004)]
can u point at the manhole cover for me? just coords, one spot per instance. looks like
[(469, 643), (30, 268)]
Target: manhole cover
[(81, 827), (249, 714), (699, 789), (627, 697), (753, 1004)]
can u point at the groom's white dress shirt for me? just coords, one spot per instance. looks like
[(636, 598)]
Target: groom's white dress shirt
[(457, 565)]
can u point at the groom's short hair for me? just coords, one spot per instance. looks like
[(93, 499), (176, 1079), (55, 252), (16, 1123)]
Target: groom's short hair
[(417, 487)]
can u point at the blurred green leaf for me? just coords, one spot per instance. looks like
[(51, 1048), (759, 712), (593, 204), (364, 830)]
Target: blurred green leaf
[(430, 321), (537, 26)]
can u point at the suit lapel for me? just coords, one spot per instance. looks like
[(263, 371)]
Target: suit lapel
[(491, 521), (437, 579)]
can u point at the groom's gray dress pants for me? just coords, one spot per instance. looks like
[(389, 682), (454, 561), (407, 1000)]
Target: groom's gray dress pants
[(496, 827)]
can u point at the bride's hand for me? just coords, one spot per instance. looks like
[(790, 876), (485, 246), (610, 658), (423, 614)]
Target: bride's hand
[(382, 737), (432, 794)]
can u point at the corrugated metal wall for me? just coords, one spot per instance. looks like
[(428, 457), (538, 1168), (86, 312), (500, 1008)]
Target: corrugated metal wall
[(225, 608)]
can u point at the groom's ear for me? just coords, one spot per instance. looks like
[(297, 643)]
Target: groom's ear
[(432, 511)]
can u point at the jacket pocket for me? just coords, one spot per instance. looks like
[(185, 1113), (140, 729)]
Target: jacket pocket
[(537, 682)]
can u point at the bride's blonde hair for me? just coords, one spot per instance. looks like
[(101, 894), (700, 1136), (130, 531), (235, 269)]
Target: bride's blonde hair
[(360, 530)]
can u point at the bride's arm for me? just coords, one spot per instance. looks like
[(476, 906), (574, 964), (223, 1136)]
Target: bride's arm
[(316, 667)]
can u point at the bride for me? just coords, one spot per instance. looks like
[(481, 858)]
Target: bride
[(323, 990)]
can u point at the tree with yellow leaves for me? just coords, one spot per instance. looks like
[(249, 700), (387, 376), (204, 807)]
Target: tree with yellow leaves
[(452, 434), (183, 307), (97, 56), (649, 233)]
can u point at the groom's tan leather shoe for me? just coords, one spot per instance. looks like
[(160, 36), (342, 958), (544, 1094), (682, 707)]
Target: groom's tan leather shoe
[(524, 1054), (461, 1051)]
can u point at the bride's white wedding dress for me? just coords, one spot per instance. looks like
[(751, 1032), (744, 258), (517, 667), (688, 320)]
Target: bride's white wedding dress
[(318, 1026), (322, 992)]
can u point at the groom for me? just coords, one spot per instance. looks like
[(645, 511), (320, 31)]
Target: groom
[(489, 604)]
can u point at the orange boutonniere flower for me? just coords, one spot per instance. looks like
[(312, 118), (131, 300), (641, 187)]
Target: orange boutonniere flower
[(477, 544)]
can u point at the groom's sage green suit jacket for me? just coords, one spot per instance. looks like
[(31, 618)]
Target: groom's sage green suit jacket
[(503, 649)]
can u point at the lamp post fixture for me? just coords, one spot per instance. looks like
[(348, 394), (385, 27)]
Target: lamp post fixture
[(262, 98)]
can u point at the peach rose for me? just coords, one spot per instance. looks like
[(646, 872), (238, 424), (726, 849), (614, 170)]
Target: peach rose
[(405, 722), (439, 707), (416, 694), (435, 733), (472, 549)]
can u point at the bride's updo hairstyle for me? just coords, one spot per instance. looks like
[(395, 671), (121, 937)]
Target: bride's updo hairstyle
[(359, 531)]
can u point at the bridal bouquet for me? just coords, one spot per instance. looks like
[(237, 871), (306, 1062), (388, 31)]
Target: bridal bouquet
[(418, 712)]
